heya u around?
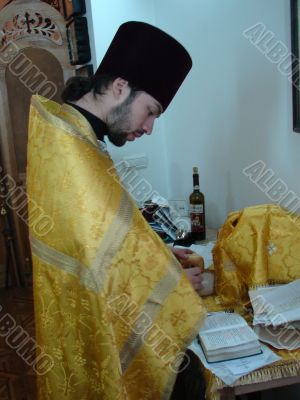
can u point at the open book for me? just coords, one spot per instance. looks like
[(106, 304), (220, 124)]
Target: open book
[(226, 336), (276, 305), (277, 315)]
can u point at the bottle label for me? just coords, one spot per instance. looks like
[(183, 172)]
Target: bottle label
[(196, 208), (197, 222), (197, 217)]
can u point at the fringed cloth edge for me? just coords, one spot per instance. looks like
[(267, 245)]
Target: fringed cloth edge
[(281, 369)]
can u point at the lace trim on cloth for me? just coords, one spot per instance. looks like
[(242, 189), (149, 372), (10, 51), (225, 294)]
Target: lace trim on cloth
[(285, 369)]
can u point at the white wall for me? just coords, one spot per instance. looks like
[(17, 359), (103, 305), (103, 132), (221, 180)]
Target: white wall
[(233, 109), (236, 107), (104, 19)]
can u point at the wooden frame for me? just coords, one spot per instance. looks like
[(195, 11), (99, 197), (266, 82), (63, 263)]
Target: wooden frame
[(74, 7), (295, 41)]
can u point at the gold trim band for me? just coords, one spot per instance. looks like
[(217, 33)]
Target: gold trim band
[(151, 308), (112, 241), (64, 262), (92, 278), (60, 122)]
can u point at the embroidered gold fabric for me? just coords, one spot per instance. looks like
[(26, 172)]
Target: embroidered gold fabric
[(113, 308), (259, 245), (288, 366)]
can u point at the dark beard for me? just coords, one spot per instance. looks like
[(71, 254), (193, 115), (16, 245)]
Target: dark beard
[(118, 121), (118, 139)]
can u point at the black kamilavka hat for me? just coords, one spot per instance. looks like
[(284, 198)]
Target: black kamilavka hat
[(149, 59)]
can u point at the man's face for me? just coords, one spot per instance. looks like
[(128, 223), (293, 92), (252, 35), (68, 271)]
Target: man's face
[(132, 118)]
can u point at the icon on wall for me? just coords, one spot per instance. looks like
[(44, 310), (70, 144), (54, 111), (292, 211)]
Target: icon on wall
[(78, 41)]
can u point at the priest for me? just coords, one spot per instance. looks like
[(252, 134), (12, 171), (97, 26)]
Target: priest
[(114, 309)]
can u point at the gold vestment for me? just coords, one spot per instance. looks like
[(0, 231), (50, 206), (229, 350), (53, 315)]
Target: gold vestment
[(256, 246), (113, 307)]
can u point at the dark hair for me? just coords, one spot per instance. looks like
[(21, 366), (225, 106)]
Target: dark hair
[(75, 88), (78, 86)]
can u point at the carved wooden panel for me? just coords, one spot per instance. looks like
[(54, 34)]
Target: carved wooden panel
[(57, 4), (33, 59)]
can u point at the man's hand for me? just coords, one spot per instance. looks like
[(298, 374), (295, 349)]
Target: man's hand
[(194, 276), (193, 273), (181, 254)]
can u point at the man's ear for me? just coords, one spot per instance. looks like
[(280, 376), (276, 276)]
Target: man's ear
[(119, 87)]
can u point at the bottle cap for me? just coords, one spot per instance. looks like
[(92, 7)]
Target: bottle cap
[(195, 170)]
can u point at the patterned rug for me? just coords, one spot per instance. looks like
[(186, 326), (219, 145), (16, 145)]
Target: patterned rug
[(17, 377)]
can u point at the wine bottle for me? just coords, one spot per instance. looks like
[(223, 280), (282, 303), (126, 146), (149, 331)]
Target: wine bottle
[(197, 210)]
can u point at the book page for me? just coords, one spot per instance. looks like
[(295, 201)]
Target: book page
[(277, 306), (280, 338), (221, 320), (227, 338), (257, 299)]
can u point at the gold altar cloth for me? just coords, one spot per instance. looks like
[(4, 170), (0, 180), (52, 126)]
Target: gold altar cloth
[(256, 246)]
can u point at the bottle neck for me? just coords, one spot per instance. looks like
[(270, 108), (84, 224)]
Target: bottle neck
[(196, 182)]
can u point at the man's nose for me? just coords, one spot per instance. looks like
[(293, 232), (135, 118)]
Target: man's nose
[(148, 126)]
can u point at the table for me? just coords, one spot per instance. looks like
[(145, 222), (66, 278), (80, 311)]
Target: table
[(282, 373), (230, 393)]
